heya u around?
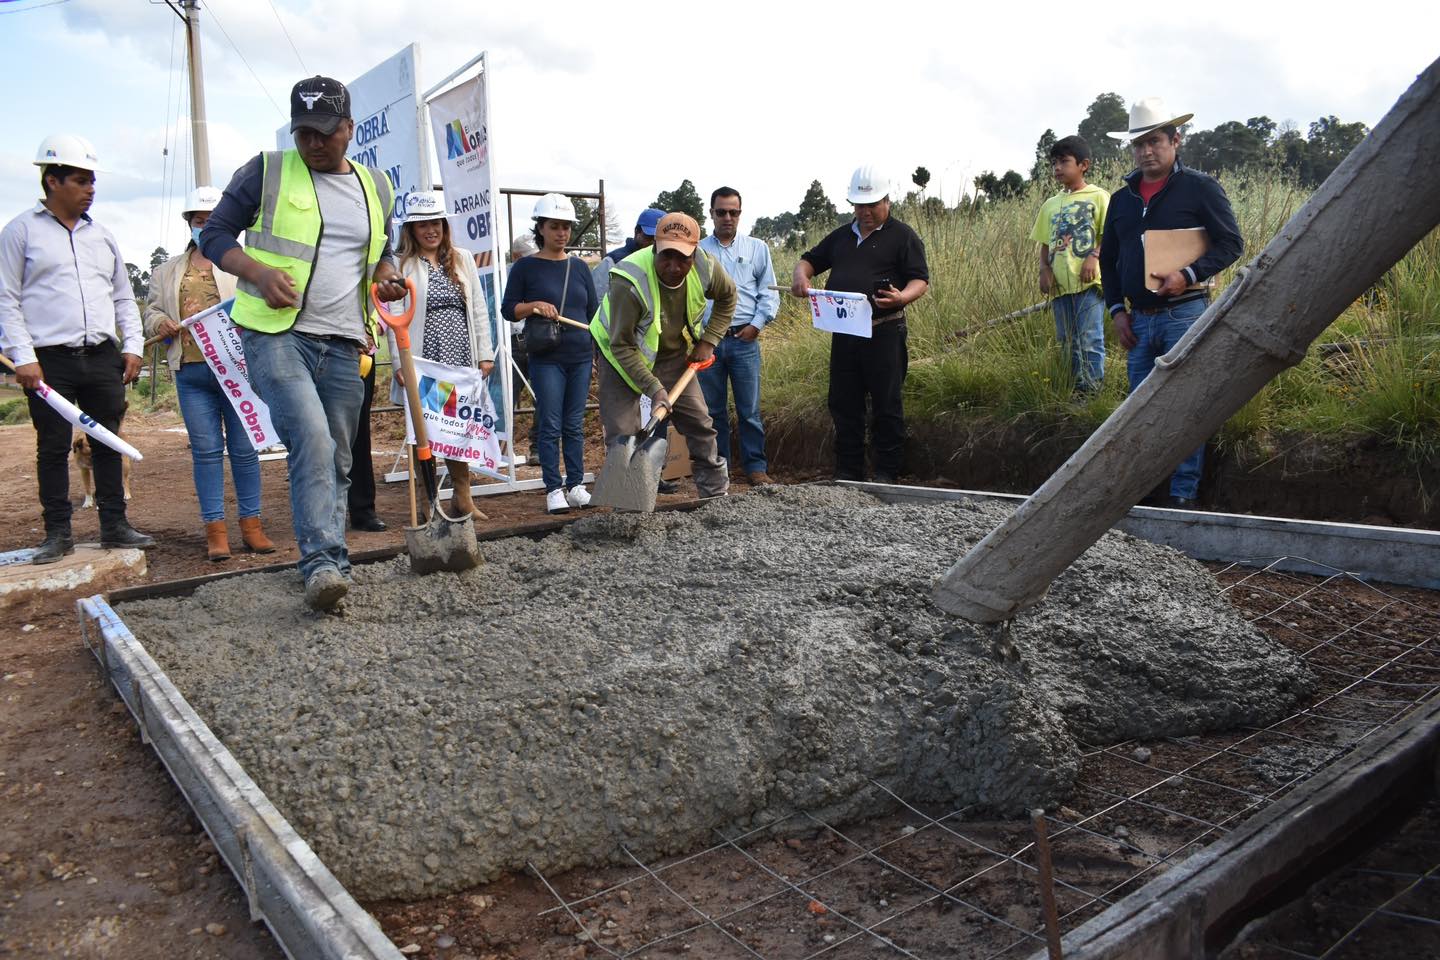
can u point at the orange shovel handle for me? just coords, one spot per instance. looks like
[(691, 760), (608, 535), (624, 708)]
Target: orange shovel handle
[(399, 323)]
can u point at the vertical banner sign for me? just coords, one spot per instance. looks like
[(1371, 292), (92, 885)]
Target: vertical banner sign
[(385, 104), (459, 418), (459, 122), (219, 340)]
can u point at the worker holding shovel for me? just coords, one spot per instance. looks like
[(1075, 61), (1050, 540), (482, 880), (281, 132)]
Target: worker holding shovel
[(649, 327)]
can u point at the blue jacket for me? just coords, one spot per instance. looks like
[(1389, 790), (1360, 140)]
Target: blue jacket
[(1189, 199)]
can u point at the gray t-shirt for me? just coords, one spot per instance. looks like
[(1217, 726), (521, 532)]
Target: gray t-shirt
[(332, 301)]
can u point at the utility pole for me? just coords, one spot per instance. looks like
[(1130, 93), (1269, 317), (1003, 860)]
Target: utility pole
[(199, 134)]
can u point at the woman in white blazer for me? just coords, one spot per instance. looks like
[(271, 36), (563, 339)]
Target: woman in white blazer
[(451, 323), (181, 287)]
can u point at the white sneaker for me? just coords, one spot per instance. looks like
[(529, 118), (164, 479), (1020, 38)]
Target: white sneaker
[(555, 502), (578, 497)]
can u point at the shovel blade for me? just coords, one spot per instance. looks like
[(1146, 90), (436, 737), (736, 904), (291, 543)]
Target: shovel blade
[(443, 544), (631, 473)]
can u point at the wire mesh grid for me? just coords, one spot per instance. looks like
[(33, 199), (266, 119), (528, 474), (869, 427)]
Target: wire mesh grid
[(928, 883)]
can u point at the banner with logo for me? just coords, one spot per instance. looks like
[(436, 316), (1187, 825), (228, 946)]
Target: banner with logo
[(385, 103), (459, 121), (459, 414), (841, 312), (219, 340)]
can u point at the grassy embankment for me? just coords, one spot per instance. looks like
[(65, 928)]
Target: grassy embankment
[(1378, 377)]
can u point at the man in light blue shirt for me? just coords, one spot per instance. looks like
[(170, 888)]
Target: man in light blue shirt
[(737, 358)]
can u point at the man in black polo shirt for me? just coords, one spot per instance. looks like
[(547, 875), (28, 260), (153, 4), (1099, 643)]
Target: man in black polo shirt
[(885, 260)]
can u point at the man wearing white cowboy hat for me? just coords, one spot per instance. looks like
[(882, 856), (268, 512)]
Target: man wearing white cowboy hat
[(1152, 311)]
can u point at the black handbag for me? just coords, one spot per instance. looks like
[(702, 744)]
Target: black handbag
[(542, 335)]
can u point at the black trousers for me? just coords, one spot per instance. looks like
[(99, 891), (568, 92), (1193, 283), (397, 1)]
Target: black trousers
[(873, 368), (92, 379), (361, 498)]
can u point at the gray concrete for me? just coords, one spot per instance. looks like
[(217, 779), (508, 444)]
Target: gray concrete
[(644, 680)]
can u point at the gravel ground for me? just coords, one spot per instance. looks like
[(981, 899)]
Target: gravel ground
[(641, 681)]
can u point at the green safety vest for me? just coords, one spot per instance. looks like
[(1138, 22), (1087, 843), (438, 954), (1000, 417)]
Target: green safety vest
[(638, 270), (286, 234)]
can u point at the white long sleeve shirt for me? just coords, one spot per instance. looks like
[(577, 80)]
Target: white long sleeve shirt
[(60, 288)]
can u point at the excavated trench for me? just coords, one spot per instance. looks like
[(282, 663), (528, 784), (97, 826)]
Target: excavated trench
[(645, 680)]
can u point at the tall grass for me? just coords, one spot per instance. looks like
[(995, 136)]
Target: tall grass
[(1381, 381)]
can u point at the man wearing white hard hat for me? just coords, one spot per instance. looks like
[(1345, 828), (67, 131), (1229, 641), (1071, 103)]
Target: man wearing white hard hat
[(68, 317), (884, 259), (1153, 308), (181, 287)]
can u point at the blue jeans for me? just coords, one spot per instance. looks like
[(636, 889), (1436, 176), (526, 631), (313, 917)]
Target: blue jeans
[(738, 364), (213, 426), (1080, 328), (1156, 332), (313, 388), (561, 392)]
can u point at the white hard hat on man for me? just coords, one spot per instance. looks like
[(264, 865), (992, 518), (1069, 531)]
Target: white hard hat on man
[(868, 185), (67, 150)]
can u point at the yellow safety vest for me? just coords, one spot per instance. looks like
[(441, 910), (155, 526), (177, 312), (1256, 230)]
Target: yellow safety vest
[(638, 270), (286, 235)]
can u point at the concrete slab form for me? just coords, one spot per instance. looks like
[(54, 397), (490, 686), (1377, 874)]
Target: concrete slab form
[(1399, 555), (288, 887), (312, 915)]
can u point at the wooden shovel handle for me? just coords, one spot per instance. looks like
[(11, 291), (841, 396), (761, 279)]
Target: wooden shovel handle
[(674, 392)]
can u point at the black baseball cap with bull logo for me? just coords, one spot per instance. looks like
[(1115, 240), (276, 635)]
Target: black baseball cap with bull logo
[(319, 103)]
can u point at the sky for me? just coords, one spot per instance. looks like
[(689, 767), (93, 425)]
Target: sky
[(764, 97)]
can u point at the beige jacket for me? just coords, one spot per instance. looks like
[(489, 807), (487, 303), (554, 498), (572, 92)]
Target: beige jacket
[(162, 301), (477, 314)]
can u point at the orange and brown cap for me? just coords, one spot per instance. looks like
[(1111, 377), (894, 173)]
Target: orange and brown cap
[(677, 231)]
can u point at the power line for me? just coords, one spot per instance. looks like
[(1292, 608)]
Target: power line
[(37, 6), (166, 161), (225, 33), (273, 9)]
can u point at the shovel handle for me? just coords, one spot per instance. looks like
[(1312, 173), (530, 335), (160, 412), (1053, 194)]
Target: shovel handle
[(400, 323), (690, 370)]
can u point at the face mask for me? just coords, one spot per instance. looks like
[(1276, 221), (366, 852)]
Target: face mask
[(195, 235)]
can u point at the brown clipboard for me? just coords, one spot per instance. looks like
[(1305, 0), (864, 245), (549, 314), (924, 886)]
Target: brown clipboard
[(1167, 251)]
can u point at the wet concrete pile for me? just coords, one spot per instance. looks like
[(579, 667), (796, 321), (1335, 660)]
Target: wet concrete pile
[(649, 680)]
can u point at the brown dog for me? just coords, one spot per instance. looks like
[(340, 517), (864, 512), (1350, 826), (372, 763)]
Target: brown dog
[(81, 449)]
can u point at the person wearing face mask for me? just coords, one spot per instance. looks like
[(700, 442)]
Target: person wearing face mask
[(181, 287), (451, 323)]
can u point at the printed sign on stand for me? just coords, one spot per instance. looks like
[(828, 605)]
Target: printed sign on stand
[(219, 341), (459, 417), (840, 312)]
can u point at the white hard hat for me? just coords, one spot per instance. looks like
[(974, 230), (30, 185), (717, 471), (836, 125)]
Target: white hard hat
[(68, 150), (425, 205), (201, 200), (868, 184), (554, 206)]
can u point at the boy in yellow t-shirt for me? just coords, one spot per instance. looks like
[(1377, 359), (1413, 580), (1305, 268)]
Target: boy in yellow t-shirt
[(1068, 231)]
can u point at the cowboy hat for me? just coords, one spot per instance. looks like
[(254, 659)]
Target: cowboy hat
[(1146, 115)]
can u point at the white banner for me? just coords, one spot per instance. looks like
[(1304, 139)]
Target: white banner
[(459, 416), (219, 341), (385, 102), (841, 312), (462, 144), (84, 421)]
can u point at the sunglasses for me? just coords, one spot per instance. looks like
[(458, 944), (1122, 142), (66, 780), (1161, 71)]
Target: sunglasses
[(725, 213)]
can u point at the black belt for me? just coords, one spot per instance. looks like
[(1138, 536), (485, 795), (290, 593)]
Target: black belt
[(735, 330), (84, 351), (1168, 304)]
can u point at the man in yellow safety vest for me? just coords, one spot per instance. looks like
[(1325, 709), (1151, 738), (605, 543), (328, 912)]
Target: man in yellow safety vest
[(316, 237)]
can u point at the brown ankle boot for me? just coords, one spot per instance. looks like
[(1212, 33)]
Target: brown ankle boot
[(217, 541), (460, 482), (254, 537)]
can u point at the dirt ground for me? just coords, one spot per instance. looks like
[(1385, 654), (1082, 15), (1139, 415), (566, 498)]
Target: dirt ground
[(101, 857)]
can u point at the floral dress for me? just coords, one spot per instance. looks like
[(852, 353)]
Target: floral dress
[(447, 334)]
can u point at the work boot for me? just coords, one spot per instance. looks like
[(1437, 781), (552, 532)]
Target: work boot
[(58, 543), (578, 497), (254, 536), (217, 541), (460, 490), (555, 501), (119, 533), (667, 487), (325, 588), (366, 522), (759, 478)]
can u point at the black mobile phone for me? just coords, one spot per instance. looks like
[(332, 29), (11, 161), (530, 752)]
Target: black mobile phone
[(883, 283)]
